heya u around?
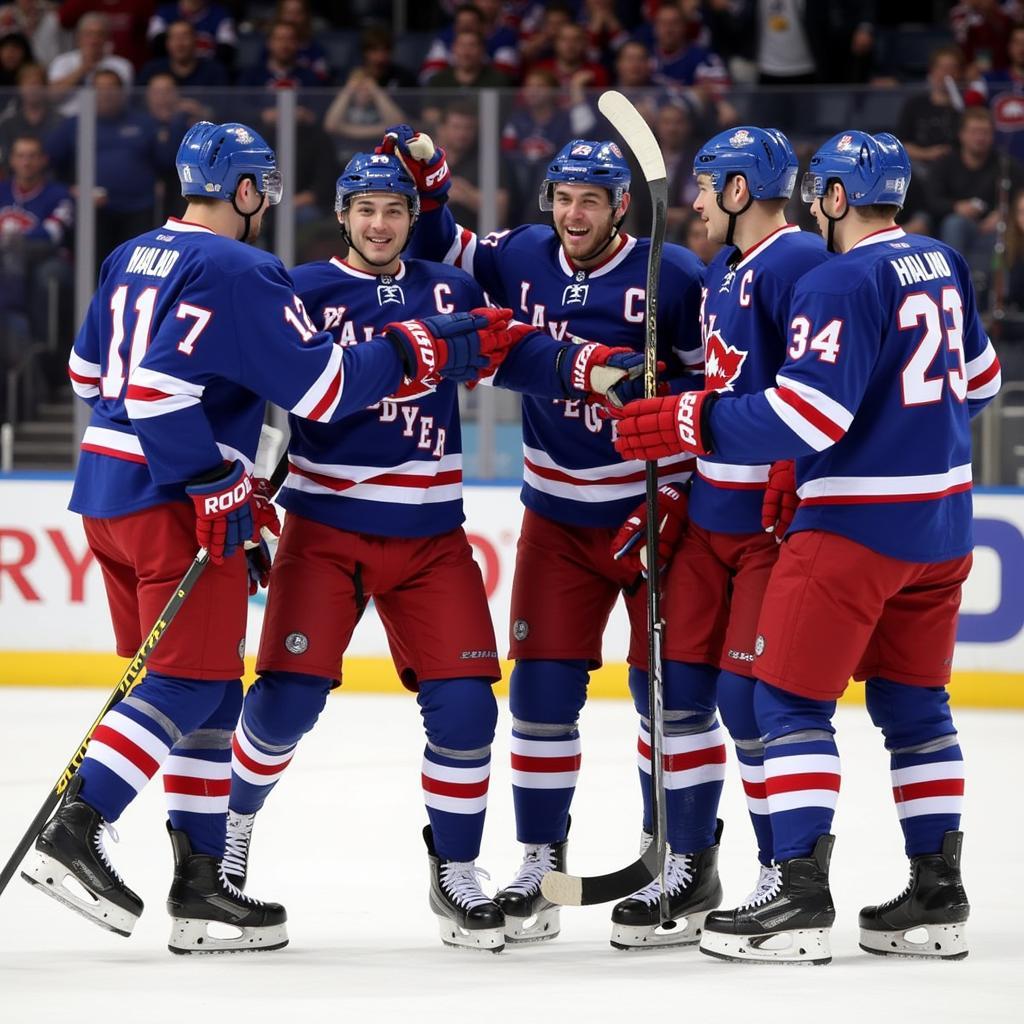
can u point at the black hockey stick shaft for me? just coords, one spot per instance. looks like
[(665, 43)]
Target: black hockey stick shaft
[(124, 685), (574, 890)]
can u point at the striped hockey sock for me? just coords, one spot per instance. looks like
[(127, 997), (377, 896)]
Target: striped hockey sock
[(256, 767), (750, 755), (928, 787), (545, 767), (455, 793)]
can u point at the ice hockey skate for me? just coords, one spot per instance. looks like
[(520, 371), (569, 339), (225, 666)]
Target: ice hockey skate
[(210, 915), (236, 848), (70, 864), (928, 919), (786, 924), (529, 916), (469, 918), (694, 889)]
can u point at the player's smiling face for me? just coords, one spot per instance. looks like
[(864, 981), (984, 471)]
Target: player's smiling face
[(584, 219), (715, 219), (378, 225)]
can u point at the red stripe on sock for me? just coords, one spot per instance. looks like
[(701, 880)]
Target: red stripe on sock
[(687, 758), (920, 790), (568, 763), (256, 766), (191, 786), (801, 780), (124, 746), (463, 790)]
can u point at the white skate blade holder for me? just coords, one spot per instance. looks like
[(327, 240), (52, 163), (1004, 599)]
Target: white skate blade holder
[(685, 931), (57, 881), (190, 935), (541, 927), (800, 946), (925, 942), (487, 940)]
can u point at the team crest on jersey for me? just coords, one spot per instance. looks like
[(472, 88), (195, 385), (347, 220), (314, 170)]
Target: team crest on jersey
[(575, 293), (1008, 111), (388, 291), (726, 286), (722, 363), (741, 138)]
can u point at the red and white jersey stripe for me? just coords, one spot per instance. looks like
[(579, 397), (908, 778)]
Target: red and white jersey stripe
[(545, 764), (984, 374), (853, 490), (813, 416), (732, 476), (688, 760), (155, 394), (415, 482), (197, 785), (936, 788), (127, 748), (85, 376), (598, 483), (253, 765), (122, 445), (320, 401), (455, 790), (801, 780)]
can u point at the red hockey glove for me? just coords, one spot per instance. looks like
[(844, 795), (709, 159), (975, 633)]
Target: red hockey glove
[(426, 163), (223, 506), (455, 346), (780, 499), (590, 368), (630, 543), (265, 524), (655, 427), (503, 343)]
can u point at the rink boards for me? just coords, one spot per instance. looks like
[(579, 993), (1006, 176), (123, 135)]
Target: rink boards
[(55, 631)]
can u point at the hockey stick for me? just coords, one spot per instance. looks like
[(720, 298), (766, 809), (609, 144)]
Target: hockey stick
[(557, 886), (121, 690)]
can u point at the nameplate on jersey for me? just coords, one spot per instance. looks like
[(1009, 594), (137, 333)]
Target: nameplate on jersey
[(388, 291), (152, 261), (575, 293)]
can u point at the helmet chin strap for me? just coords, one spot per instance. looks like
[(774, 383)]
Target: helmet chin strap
[(731, 230), (832, 221), (246, 217)]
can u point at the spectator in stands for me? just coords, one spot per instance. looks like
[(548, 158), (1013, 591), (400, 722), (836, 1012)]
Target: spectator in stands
[(280, 69), (633, 69), (482, 19), (35, 217), (377, 46), (215, 29), (359, 114), (675, 58), (170, 117), (130, 156), (183, 63), (673, 129), (126, 21), (1014, 287), (311, 55), (15, 53), (964, 186), (982, 30), (537, 42), (469, 68), (457, 134), (37, 21), (30, 113), (1003, 92), (695, 238), (80, 66), (605, 32), (571, 65), (928, 123)]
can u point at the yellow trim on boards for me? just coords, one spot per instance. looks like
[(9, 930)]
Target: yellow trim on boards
[(377, 675)]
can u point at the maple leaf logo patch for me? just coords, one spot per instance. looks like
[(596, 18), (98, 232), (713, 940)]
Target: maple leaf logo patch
[(722, 363)]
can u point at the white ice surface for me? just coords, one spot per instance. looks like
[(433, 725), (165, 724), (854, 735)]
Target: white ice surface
[(339, 844)]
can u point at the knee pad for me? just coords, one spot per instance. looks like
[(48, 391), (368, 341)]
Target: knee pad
[(282, 707), (688, 695), (187, 703), (736, 704), (548, 692), (459, 715), (908, 715), (780, 713)]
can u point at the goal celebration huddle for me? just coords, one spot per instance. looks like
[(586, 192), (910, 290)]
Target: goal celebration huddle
[(767, 458)]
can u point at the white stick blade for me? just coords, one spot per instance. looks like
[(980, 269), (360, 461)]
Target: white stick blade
[(565, 890), (635, 132)]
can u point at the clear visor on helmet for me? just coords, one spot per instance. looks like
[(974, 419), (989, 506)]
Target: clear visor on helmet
[(547, 196), (812, 187), (273, 186)]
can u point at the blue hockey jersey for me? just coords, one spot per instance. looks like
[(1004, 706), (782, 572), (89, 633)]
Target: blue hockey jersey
[(394, 469), (744, 323), (571, 471), (185, 338), (887, 361), (45, 212)]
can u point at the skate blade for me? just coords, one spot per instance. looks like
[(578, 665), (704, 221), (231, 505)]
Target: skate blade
[(484, 940), (191, 935), (926, 942), (800, 946), (53, 878), (686, 931), (541, 927)]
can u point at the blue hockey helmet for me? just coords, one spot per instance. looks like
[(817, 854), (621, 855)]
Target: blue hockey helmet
[(871, 168), (585, 162), (375, 172), (213, 158), (763, 156)]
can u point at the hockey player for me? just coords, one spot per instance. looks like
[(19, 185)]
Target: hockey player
[(887, 363), (745, 177), (187, 334), (375, 510), (586, 277)]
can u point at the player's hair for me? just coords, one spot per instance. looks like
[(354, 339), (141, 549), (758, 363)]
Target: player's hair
[(776, 205), (944, 51), (877, 211)]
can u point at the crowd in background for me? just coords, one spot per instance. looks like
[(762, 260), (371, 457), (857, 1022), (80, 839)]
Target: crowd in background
[(693, 67)]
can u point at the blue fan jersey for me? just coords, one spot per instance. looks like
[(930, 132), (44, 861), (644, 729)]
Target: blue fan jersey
[(886, 364), (571, 472), (185, 338), (744, 323)]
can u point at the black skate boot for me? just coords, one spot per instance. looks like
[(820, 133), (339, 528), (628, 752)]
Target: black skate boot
[(788, 923), (468, 917), (694, 889), (236, 848), (928, 919), (529, 916), (70, 864), (209, 915)]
